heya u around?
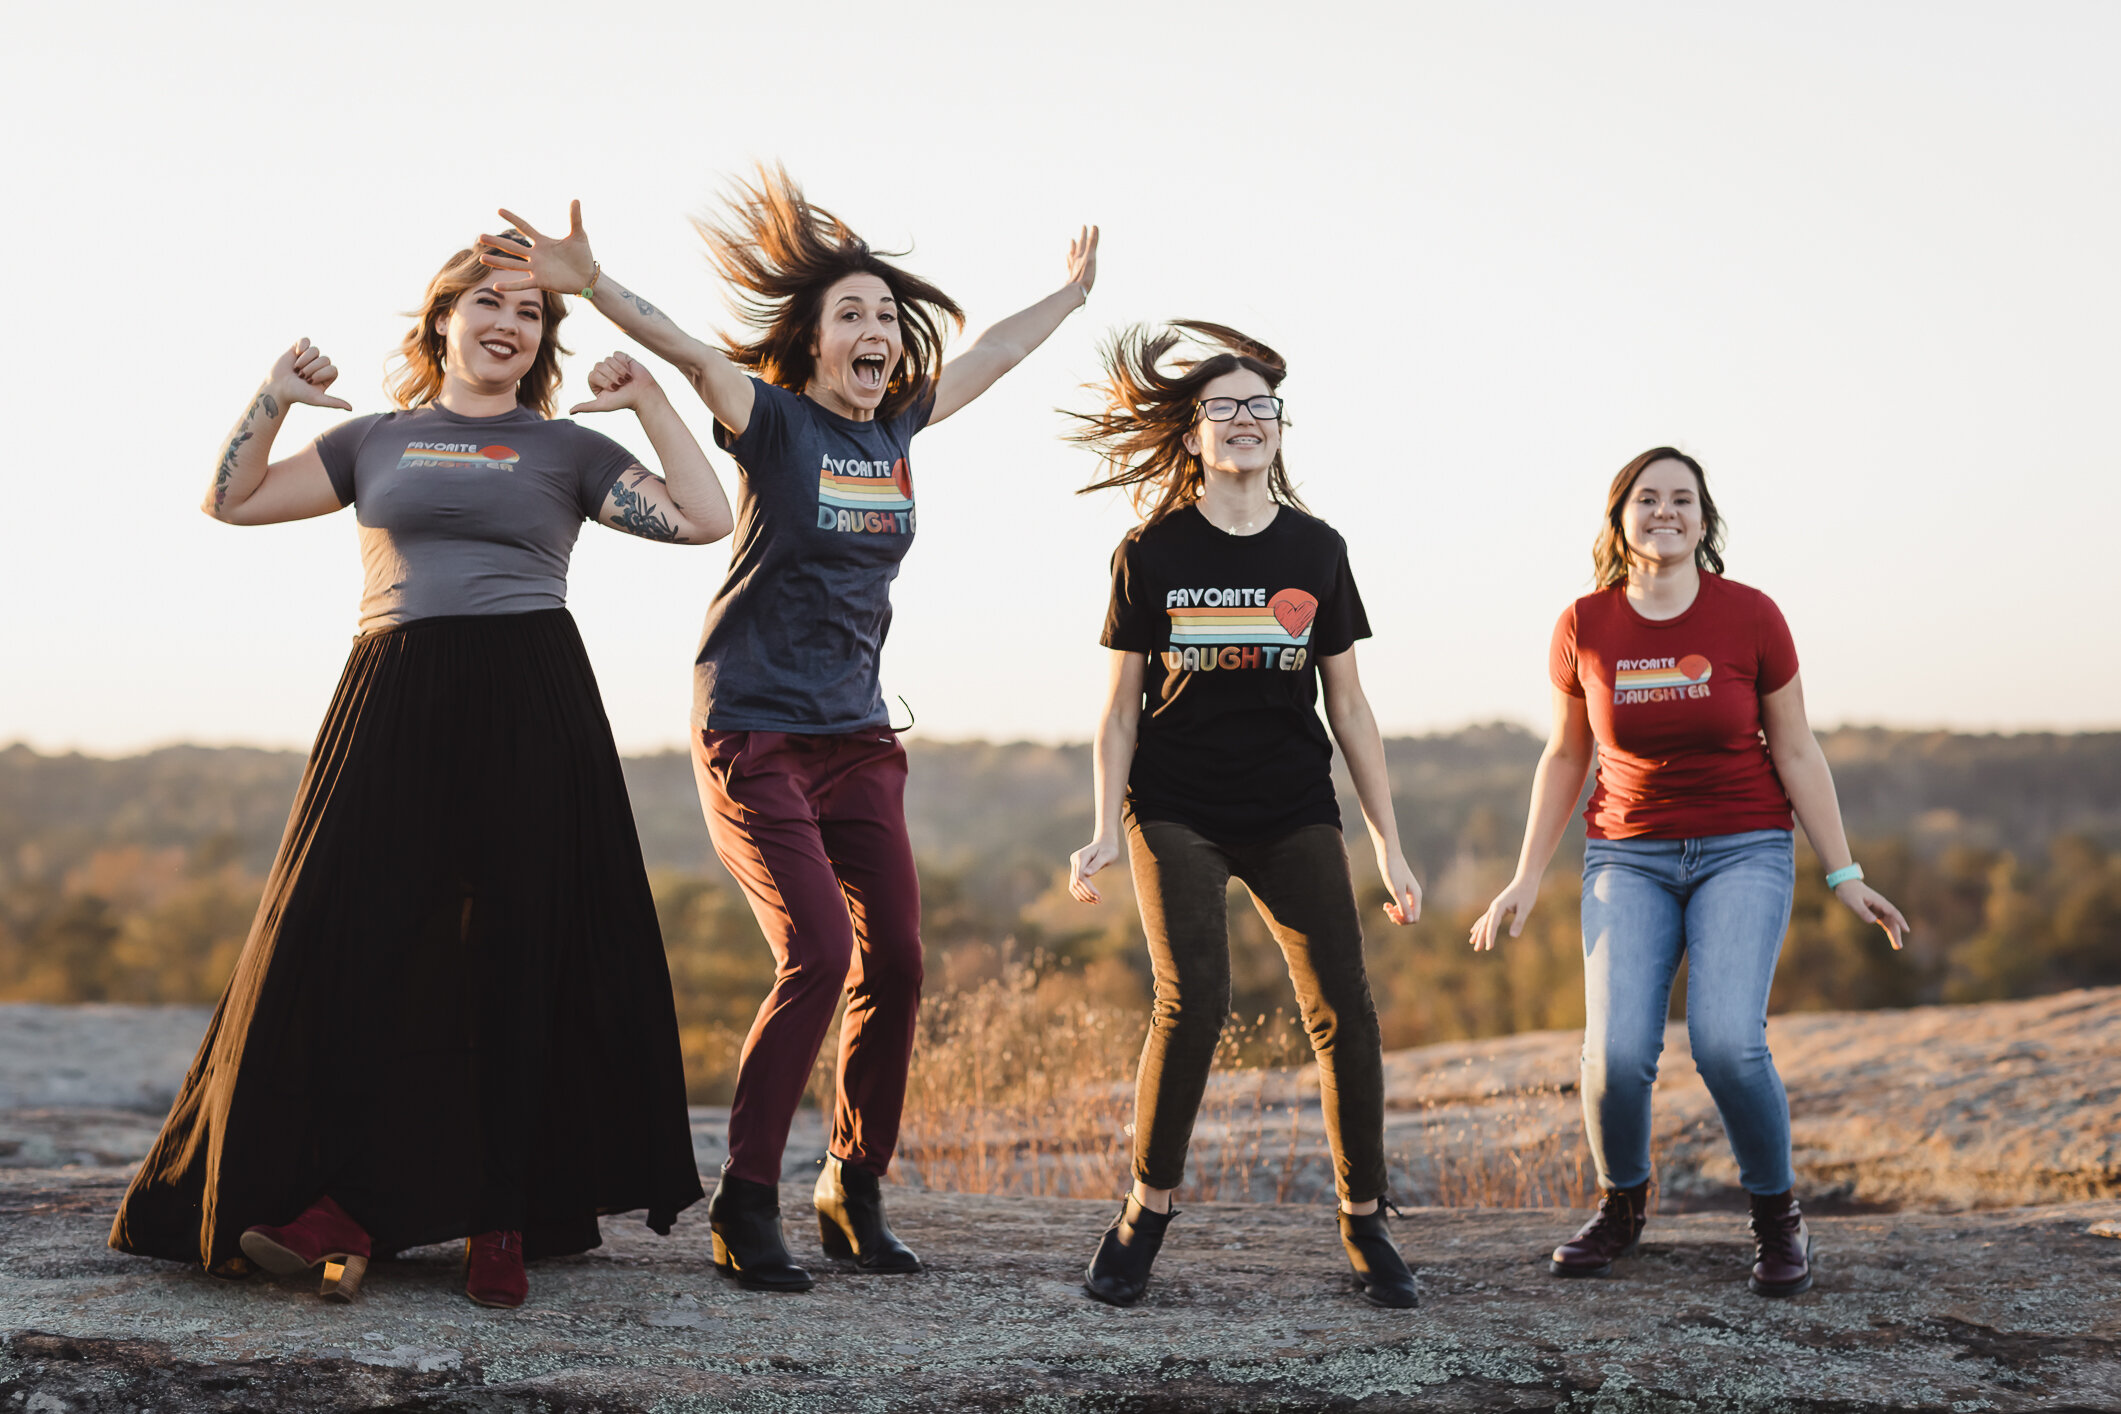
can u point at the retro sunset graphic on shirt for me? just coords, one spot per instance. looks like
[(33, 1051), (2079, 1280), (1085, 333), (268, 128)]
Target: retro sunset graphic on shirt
[(1660, 679), (864, 497), (1239, 628), (458, 454)]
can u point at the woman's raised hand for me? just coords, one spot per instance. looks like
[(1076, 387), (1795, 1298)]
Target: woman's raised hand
[(1087, 861), (559, 263), (1082, 260), (618, 382), (1873, 907), (302, 374), (1511, 907)]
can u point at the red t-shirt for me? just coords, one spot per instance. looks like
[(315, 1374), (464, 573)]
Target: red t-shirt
[(1675, 706)]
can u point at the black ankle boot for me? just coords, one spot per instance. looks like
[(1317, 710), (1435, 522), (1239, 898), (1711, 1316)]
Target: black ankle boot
[(1783, 1245), (745, 1218), (850, 1219), (1119, 1273), (1379, 1270)]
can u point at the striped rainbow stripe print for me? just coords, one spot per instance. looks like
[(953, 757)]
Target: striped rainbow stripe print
[(860, 493), (1636, 679), (1236, 625)]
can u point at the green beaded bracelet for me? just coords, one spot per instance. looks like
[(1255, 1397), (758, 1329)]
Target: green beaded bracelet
[(1841, 876)]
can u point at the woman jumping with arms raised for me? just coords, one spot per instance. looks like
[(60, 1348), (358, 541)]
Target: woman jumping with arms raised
[(800, 775), (452, 1018), (1230, 605), (1684, 685)]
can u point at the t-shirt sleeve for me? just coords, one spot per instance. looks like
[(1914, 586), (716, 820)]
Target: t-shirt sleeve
[(340, 447), (597, 463), (1561, 655), (1341, 619), (1133, 624), (1777, 650), (917, 412), (765, 438)]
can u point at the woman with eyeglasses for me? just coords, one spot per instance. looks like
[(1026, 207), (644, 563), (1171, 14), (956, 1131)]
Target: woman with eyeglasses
[(452, 1019), (1682, 685), (801, 777), (1230, 606)]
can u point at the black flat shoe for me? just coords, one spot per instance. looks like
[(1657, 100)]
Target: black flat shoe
[(745, 1218), (1119, 1273), (850, 1220), (1379, 1270)]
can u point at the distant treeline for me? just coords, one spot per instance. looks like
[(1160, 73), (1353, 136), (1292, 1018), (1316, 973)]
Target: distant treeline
[(135, 879)]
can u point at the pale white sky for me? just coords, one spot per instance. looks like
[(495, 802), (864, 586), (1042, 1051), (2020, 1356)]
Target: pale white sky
[(1864, 260)]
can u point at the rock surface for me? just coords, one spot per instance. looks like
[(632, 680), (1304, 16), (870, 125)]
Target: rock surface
[(1942, 1107), (1995, 1306), (2017, 1310)]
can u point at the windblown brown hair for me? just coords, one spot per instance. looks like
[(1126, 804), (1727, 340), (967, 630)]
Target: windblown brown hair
[(1140, 436), (1609, 552), (417, 378), (781, 253)]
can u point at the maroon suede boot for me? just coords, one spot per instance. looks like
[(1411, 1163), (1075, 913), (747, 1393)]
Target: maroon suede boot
[(324, 1234), (1783, 1245), (1612, 1232), (493, 1269)]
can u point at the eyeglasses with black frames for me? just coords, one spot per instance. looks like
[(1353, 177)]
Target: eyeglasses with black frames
[(1264, 407)]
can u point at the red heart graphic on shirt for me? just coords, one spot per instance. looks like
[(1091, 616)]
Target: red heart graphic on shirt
[(902, 477), (1294, 610)]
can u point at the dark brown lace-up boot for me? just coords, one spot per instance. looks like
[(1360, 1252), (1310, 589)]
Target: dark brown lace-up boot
[(1783, 1245), (1612, 1232)]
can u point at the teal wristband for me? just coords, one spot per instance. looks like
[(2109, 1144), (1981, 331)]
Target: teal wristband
[(1841, 876)]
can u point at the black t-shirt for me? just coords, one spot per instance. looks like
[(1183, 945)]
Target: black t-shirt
[(1230, 742)]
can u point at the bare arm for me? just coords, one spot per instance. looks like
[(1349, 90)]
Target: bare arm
[(1114, 757), (1355, 728), (1555, 786), (1008, 343), (686, 504), (251, 489), (1809, 782), (564, 264)]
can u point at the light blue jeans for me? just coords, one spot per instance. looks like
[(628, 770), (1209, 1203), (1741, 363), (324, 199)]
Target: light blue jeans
[(1723, 903)]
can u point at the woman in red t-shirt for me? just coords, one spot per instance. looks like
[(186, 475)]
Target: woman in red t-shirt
[(1687, 683)]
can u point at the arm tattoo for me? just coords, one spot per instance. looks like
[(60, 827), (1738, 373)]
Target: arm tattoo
[(632, 512), (236, 439), (648, 311)]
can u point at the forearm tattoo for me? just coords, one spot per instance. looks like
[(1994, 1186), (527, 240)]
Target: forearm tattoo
[(648, 311), (632, 512), (236, 439)]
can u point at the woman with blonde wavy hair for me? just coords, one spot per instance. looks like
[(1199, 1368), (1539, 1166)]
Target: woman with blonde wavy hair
[(1231, 606), (452, 1018)]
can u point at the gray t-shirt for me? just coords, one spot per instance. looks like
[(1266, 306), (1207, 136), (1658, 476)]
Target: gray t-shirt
[(824, 515), (466, 515)]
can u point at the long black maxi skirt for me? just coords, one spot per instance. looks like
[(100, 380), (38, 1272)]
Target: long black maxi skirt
[(453, 1013)]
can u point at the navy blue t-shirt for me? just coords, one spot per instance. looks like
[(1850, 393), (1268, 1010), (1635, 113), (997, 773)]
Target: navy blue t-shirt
[(824, 514)]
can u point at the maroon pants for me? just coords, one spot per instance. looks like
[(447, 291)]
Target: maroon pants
[(814, 829)]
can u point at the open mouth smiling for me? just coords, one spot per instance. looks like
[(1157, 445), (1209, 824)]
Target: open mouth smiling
[(499, 348), (869, 371)]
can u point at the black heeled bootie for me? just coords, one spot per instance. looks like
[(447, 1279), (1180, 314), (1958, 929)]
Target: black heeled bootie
[(1379, 1270), (745, 1218), (1119, 1273), (850, 1220)]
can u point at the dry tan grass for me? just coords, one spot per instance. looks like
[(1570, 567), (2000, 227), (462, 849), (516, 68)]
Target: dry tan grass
[(1024, 1084)]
